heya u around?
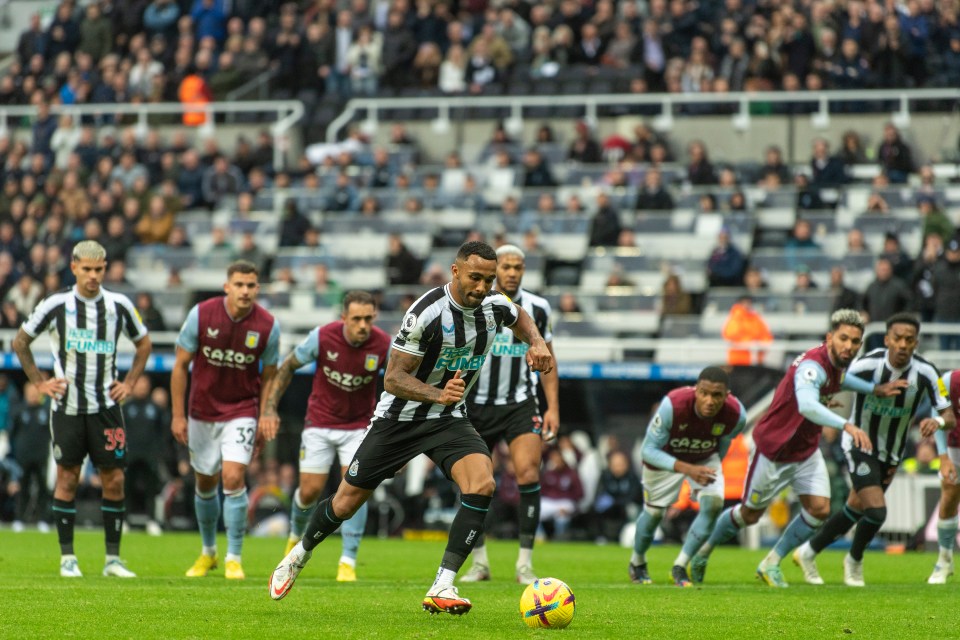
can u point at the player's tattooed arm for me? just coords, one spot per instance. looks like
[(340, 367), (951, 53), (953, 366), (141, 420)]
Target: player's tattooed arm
[(539, 356), (400, 380), (52, 387), (280, 383)]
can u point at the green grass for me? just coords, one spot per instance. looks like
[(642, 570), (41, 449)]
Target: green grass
[(36, 603)]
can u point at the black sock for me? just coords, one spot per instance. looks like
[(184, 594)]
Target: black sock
[(836, 526), (65, 514), (867, 528), (529, 514), (467, 526), (113, 513), (322, 523)]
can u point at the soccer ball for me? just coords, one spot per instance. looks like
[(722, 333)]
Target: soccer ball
[(547, 602)]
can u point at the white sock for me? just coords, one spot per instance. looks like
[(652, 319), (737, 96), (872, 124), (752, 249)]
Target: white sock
[(233, 556), (480, 556), (209, 551), (682, 560), (636, 559), (444, 579), (110, 558), (773, 558), (946, 555), (348, 560), (525, 557)]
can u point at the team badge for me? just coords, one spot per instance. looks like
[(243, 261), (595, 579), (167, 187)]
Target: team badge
[(57, 453), (754, 497), (718, 428), (370, 362), (252, 340), (409, 322), (491, 323), (354, 468), (863, 469)]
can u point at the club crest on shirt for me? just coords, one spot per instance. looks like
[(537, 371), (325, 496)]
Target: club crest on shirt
[(718, 428), (491, 323), (370, 362), (252, 339)]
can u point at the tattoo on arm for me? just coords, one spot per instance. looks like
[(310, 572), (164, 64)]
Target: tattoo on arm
[(21, 345), (400, 381), (280, 383)]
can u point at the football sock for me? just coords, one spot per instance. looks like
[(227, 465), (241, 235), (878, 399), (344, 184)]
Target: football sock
[(113, 512), (207, 508), (235, 504), (480, 554), (647, 523), (524, 558), (946, 535), (797, 532), (836, 526), (65, 514), (466, 526), (322, 523), (728, 525), (352, 531), (867, 528), (529, 510), (710, 507), (299, 515), (444, 579)]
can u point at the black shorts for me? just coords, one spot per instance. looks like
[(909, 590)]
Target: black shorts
[(505, 422), (390, 444), (866, 471), (101, 435)]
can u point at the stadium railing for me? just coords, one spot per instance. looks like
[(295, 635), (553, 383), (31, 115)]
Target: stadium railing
[(287, 114)]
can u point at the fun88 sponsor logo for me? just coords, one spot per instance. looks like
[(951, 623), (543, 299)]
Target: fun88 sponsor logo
[(227, 358), (459, 358), (346, 381)]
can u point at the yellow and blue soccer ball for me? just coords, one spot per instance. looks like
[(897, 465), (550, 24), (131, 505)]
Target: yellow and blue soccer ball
[(548, 603)]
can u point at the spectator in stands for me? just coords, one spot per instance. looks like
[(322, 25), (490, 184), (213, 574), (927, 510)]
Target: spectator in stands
[(116, 275), (856, 246), (803, 282), (324, 286), (726, 264), (584, 147), (480, 71), (399, 49), (924, 299), (933, 218), (561, 490), (618, 489), (773, 164), (653, 196), (537, 171), (403, 267), (894, 155), (25, 295), (514, 30), (843, 297), (221, 180), (827, 170), (151, 316), (453, 71), (343, 196), (10, 316), (155, 225), (160, 18), (674, 301), (699, 170), (605, 227), (745, 326), (851, 149), (32, 41), (946, 275), (43, 129), (568, 305), (885, 296), (248, 250), (618, 280), (901, 263), (364, 60)]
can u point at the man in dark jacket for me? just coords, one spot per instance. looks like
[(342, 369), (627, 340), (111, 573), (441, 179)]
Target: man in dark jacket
[(30, 443), (827, 170), (653, 196), (946, 292)]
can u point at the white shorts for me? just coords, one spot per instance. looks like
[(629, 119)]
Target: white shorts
[(318, 444), (954, 454), (766, 479), (661, 488), (212, 443)]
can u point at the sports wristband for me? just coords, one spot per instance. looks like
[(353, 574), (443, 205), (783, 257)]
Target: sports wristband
[(940, 421)]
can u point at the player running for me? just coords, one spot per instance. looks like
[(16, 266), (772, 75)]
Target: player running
[(687, 438)]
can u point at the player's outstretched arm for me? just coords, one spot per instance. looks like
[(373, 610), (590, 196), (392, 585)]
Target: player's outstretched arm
[(178, 394), (400, 380), (52, 387), (539, 356), (551, 390)]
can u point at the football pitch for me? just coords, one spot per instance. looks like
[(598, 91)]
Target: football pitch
[(394, 574)]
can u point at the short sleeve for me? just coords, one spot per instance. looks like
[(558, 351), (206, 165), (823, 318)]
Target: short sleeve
[(413, 335), (132, 324), (41, 317), (309, 349), (271, 353), (548, 325), (189, 338), (509, 311)]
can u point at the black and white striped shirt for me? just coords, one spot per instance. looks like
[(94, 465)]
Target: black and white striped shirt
[(448, 338), (83, 337), (886, 420), (506, 378)]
